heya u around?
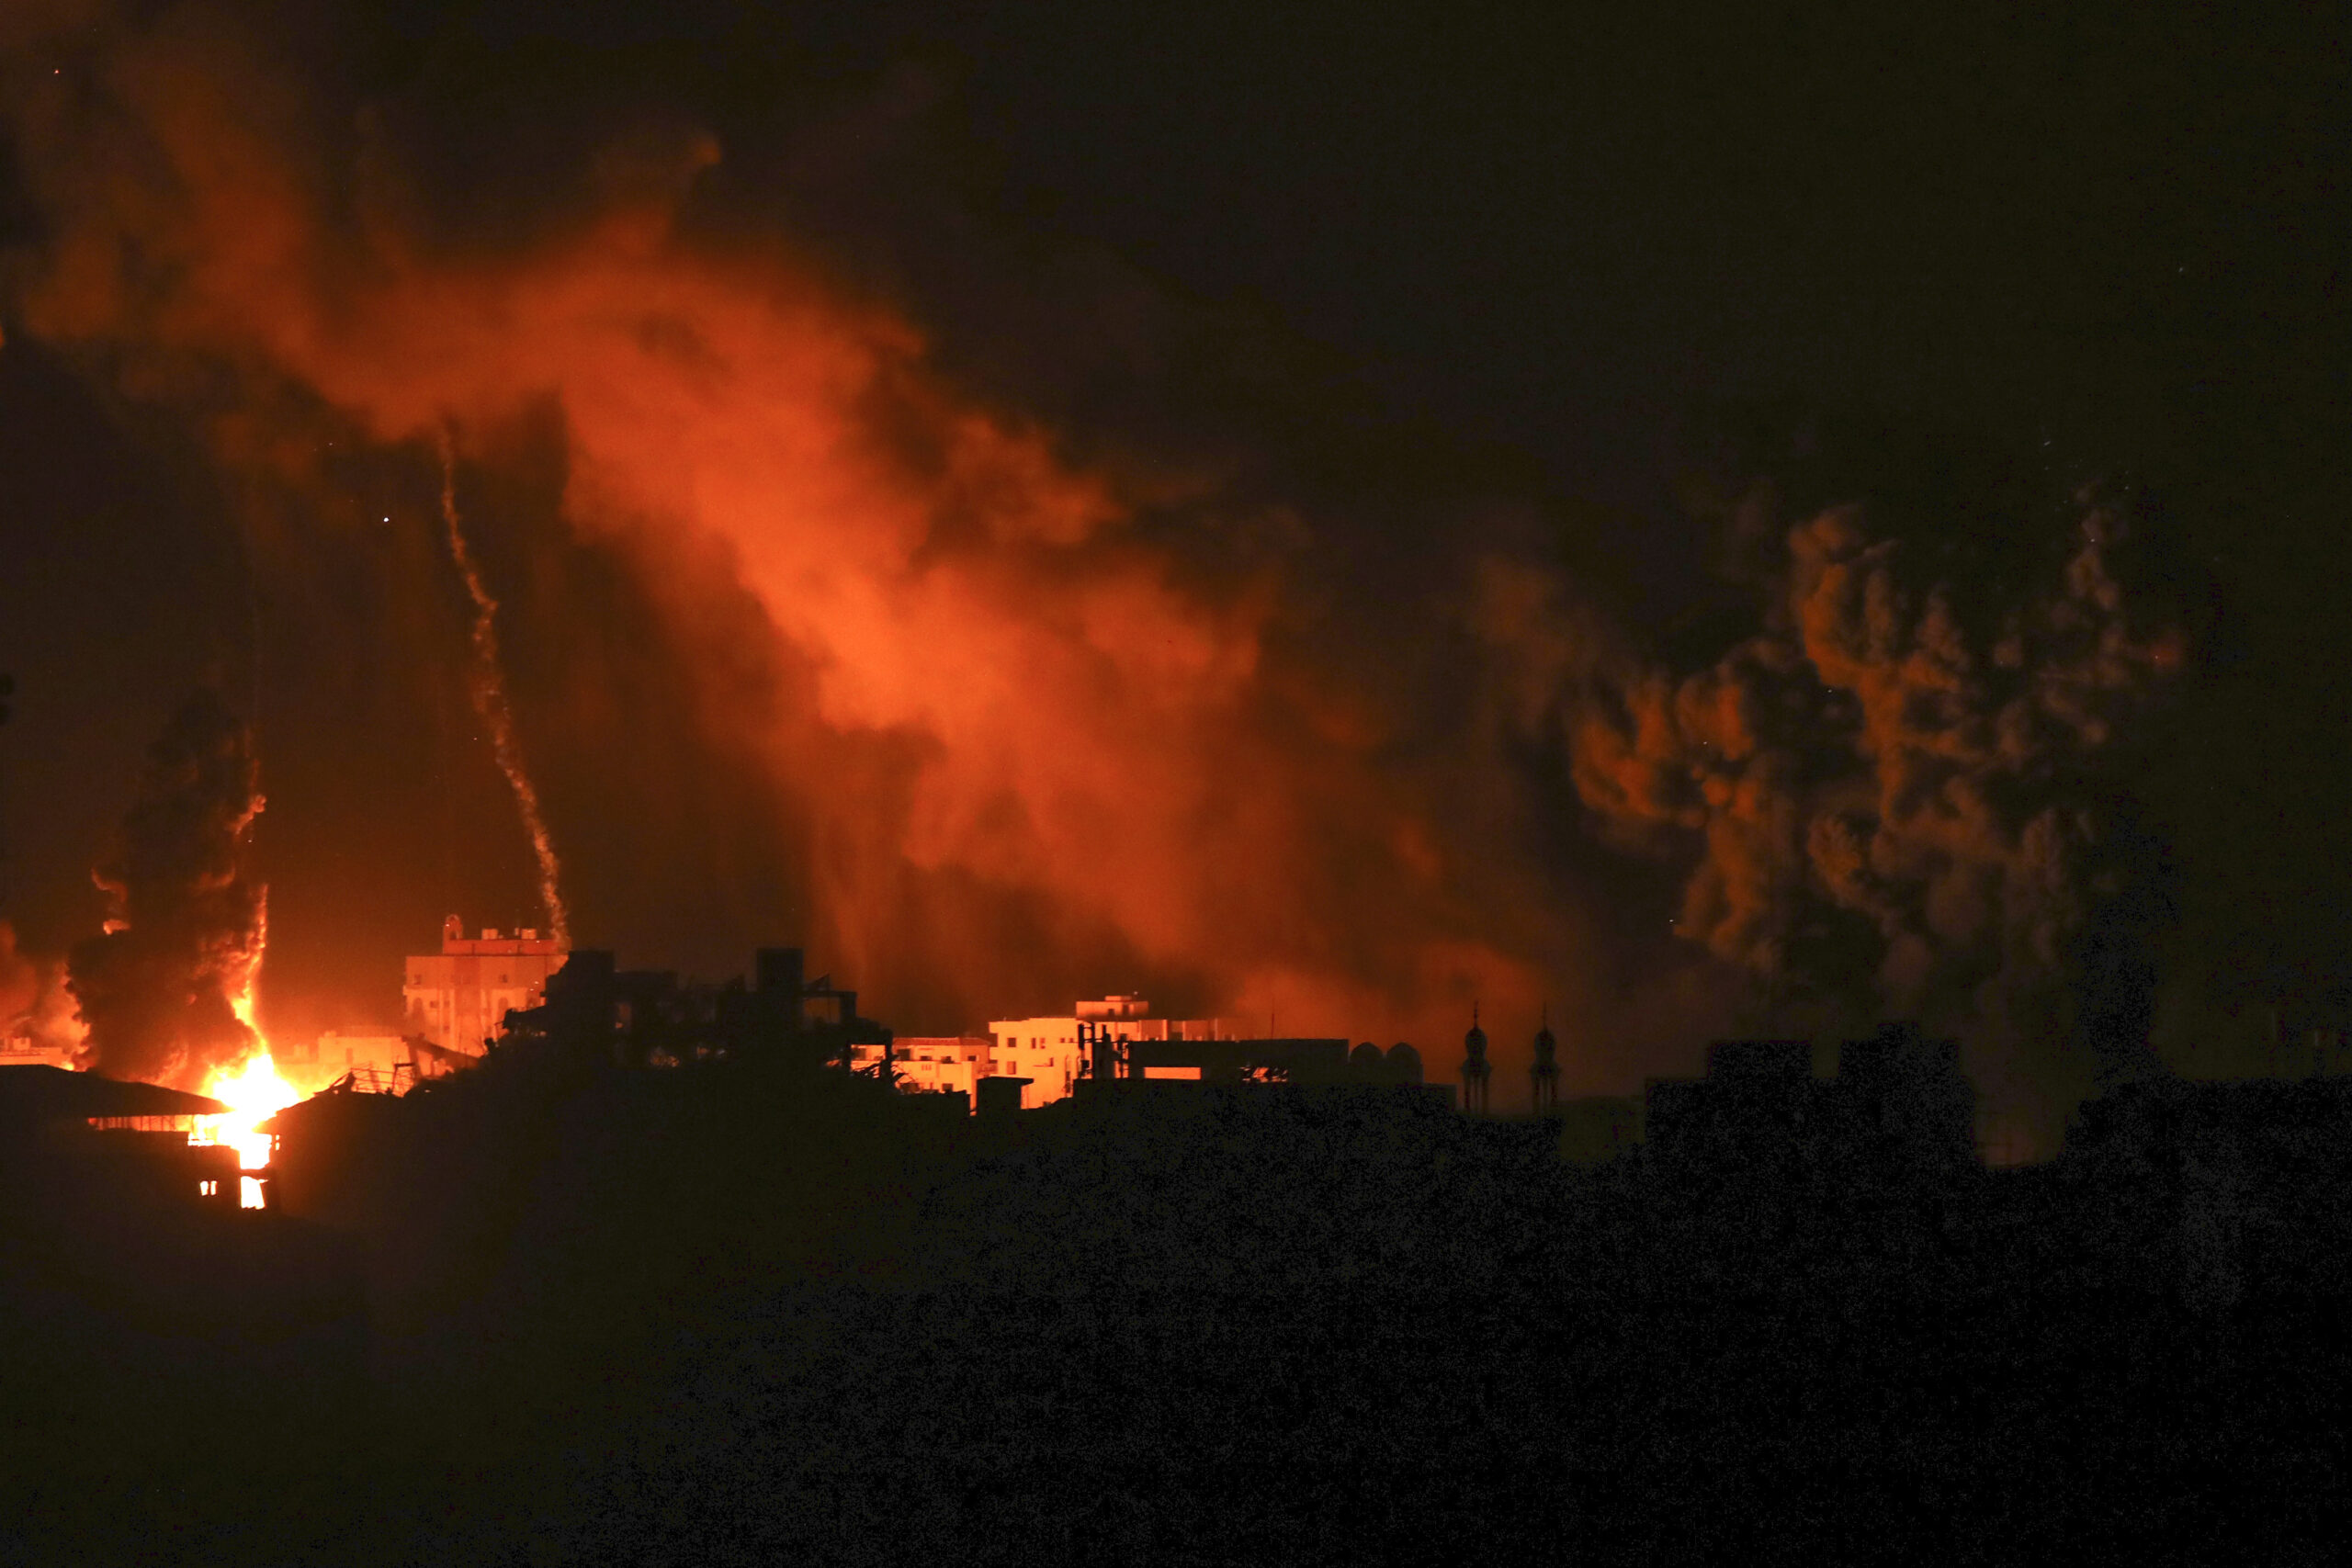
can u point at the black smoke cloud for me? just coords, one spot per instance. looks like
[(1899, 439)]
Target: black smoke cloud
[(35, 1004), (159, 989), (1903, 791), (1016, 694)]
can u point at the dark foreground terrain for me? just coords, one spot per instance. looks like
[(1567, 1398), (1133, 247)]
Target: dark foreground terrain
[(721, 1316)]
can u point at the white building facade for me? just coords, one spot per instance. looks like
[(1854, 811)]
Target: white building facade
[(950, 1064), (1045, 1051)]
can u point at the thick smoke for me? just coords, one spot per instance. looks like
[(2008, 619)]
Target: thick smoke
[(1031, 715), (161, 988), (35, 1004), (1895, 793), (1026, 706)]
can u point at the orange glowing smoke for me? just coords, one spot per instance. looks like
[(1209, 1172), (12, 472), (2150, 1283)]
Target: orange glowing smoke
[(1025, 726), (1897, 794), (1868, 750)]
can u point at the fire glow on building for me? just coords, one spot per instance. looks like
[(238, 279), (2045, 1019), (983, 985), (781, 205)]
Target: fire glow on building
[(168, 987), (457, 999), (1048, 1055), (167, 991)]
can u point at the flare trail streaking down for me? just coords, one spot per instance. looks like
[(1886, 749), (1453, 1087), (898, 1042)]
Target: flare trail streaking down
[(489, 687)]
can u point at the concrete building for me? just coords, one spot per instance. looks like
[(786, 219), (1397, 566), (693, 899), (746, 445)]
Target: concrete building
[(595, 1012), (457, 998), (947, 1064), (1899, 1105), (21, 1046), (1048, 1053), (1050, 1058)]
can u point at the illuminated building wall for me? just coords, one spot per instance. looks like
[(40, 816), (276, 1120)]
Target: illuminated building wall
[(312, 1066), (1044, 1050), (933, 1065), (458, 997), (22, 1045)]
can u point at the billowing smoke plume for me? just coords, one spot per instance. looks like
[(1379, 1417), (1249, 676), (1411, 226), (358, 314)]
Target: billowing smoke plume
[(35, 1004), (1892, 781), (1020, 706), (1023, 707), (489, 687), (160, 989)]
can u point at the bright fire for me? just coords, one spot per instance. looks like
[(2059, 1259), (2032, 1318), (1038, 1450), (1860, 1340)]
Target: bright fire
[(257, 1093)]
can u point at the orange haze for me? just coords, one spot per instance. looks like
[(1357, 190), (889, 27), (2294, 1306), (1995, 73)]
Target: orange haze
[(1062, 716)]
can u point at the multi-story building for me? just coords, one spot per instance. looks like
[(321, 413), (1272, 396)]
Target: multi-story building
[(1045, 1051), (458, 999), (1048, 1053), (21, 1044), (949, 1064), (1899, 1103)]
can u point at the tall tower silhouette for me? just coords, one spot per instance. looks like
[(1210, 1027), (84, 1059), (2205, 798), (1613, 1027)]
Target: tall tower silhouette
[(1475, 1068), (1545, 1076)]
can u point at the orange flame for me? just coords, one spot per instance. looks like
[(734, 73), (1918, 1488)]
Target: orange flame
[(256, 1093), (253, 1091)]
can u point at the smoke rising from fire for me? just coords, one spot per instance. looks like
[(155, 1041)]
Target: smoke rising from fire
[(1025, 707), (35, 1002), (487, 685), (1893, 794), (1032, 715), (160, 989)]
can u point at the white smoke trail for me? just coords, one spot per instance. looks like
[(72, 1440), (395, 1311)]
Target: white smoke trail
[(489, 687)]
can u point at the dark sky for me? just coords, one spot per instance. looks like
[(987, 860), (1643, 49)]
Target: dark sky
[(1408, 265)]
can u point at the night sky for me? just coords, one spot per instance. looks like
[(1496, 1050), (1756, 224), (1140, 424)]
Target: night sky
[(1184, 502)]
